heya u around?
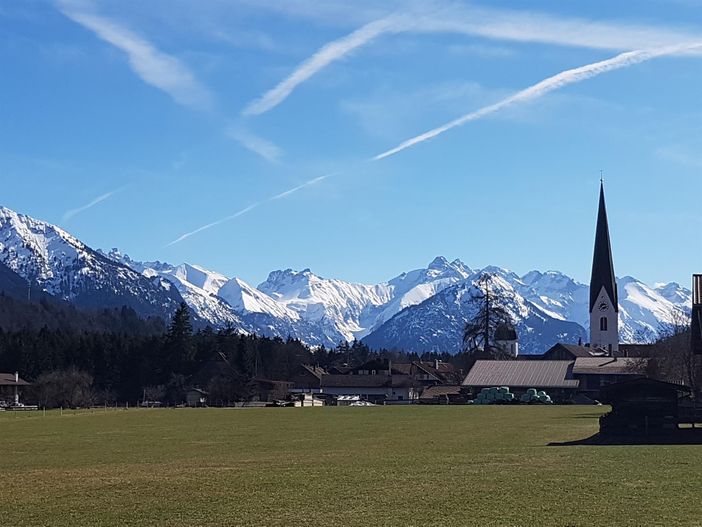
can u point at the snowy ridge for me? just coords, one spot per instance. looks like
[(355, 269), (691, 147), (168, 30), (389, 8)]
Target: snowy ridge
[(419, 310), (63, 266)]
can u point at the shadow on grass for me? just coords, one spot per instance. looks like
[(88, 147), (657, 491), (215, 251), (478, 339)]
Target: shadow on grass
[(687, 436)]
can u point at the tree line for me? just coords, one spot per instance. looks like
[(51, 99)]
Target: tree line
[(80, 358)]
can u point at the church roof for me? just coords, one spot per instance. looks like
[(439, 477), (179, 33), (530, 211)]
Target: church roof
[(505, 332), (602, 262)]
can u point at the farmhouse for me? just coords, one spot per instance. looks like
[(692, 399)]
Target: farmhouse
[(11, 385), (595, 373), (375, 388)]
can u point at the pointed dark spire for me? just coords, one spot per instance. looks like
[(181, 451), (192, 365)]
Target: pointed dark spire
[(602, 262)]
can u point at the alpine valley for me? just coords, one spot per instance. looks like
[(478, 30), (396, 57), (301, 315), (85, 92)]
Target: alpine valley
[(420, 310)]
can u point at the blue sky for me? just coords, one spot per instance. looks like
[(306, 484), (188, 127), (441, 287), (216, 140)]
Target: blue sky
[(139, 124)]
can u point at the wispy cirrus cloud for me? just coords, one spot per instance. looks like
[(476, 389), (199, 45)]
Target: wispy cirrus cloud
[(161, 70), (251, 207), (556, 82), (153, 66), (99, 199), (257, 144), (493, 24), (329, 53)]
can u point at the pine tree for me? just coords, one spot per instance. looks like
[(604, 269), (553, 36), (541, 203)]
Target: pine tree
[(179, 349)]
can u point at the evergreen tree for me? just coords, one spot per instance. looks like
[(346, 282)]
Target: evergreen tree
[(178, 349)]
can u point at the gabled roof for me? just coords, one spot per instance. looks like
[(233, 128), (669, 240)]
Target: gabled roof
[(573, 349), (317, 371), (602, 261), (8, 379), (609, 366), (522, 374)]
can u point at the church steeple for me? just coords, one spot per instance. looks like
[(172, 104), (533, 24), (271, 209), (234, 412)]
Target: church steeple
[(602, 261), (604, 300)]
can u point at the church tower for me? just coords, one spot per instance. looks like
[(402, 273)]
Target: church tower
[(604, 301)]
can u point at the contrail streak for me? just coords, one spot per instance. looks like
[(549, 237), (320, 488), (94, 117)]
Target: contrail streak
[(548, 85), (214, 224), (539, 89), (249, 209), (73, 212), (329, 53)]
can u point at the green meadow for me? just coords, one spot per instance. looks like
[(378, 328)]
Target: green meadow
[(337, 466)]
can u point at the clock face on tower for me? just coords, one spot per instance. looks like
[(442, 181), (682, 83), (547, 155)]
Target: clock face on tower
[(603, 306)]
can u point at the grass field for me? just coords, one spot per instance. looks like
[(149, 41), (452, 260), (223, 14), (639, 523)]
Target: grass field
[(338, 466)]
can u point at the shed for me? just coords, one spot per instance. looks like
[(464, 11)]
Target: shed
[(196, 397), (641, 407)]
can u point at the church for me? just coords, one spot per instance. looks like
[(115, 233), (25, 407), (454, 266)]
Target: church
[(604, 300), (567, 370)]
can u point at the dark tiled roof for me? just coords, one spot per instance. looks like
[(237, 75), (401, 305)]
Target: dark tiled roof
[(317, 371), (402, 368), (355, 381), (522, 374), (573, 349), (8, 379), (505, 332), (602, 262), (609, 366)]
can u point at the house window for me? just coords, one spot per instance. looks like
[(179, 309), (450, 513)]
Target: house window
[(603, 324)]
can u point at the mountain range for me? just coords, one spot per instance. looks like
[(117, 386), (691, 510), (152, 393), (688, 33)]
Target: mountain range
[(420, 310)]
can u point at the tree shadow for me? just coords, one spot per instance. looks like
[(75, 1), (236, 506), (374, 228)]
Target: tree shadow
[(685, 436)]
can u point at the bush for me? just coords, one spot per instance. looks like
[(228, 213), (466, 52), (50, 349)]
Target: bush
[(70, 388)]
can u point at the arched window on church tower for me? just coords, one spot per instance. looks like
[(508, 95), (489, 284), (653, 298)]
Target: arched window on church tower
[(603, 323)]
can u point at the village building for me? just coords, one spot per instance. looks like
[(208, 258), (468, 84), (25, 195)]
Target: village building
[(268, 390), (696, 323), (555, 377), (506, 340), (195, 397), (596, 373), (11, 386), (379, 381), (444, 394), (375, 388), (308, 379)]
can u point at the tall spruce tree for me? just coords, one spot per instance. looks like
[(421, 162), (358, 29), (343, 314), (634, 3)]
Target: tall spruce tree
[(489, 312), (179, 348)]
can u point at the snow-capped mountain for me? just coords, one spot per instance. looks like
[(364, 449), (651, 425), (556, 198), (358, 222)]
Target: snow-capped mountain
[(222, 302), (423, 309), (65, 267), (552, 307), (347, 311), (196, 285), (437, 323)]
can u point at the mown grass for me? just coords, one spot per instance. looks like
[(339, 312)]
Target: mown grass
[(338, 466)]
